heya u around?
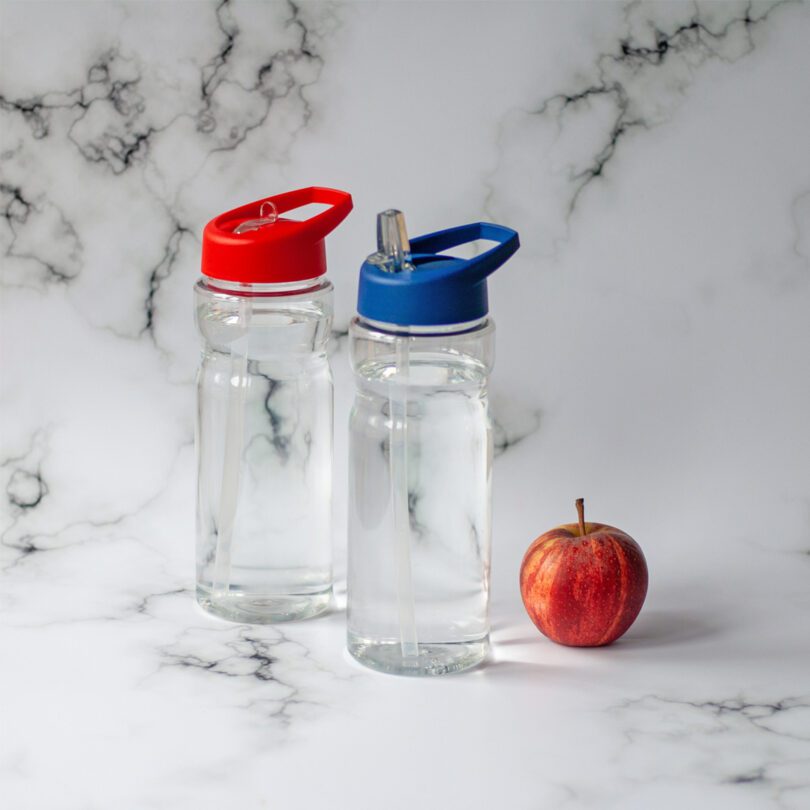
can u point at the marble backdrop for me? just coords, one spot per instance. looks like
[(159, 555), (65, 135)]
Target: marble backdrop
[(653, 356)]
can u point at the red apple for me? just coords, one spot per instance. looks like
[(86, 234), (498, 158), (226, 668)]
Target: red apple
[(583, 584)]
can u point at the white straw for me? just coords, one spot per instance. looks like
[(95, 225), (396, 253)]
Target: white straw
[(232, 464), (398, 407)]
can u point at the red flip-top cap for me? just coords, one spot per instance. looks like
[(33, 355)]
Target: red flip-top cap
[(270, 249)]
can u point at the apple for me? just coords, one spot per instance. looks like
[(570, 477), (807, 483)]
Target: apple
[(583, 584)]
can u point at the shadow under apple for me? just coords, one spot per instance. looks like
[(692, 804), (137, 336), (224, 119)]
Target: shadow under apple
[(665, 628)]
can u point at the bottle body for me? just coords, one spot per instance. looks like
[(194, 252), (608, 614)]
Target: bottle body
[(419, 497), (264, 443)]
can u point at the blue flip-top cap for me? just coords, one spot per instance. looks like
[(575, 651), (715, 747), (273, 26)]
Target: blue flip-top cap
[(429, 289)]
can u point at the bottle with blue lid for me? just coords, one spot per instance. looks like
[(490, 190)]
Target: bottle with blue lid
[(422, 349)]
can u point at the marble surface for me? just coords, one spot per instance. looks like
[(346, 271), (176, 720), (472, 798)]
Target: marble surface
[(652, 356)]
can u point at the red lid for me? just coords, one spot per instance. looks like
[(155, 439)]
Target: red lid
[(268, 251)]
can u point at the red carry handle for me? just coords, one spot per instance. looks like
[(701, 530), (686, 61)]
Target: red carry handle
[(318, 226)]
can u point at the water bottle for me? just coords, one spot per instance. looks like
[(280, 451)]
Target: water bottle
[(264, 410), (421, 451)]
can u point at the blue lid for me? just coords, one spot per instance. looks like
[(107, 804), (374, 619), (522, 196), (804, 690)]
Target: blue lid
[(415, 286)]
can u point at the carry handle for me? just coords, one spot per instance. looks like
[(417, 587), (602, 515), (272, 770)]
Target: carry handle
[(311, 230), (480, 266), (320, 225)]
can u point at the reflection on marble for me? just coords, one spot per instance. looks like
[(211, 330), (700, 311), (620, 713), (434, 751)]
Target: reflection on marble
[(652, 337)]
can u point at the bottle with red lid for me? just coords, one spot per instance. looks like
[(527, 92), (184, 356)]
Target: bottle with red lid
[(263, 307)]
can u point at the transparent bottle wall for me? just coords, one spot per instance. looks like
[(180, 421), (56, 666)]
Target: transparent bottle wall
[(419, 511), (264, 452)]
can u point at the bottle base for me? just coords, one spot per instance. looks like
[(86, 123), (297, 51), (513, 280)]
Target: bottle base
[(254, 609), (431, 659)]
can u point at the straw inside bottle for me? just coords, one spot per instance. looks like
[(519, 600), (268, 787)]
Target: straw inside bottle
[(232, 463), (394, 256), (235, 423)]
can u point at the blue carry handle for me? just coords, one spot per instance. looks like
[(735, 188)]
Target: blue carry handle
[(478, 267)]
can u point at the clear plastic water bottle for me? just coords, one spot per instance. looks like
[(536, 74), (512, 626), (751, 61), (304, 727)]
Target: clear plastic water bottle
[(421, 451), (264, 410)]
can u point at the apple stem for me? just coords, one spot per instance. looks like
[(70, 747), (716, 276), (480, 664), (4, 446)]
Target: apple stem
[(581, 512)]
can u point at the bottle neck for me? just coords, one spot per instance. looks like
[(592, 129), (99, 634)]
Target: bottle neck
[(250, 290), (423, 331), (468, 348)]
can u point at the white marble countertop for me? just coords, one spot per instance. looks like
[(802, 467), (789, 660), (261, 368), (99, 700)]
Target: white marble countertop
[(653, 356)]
